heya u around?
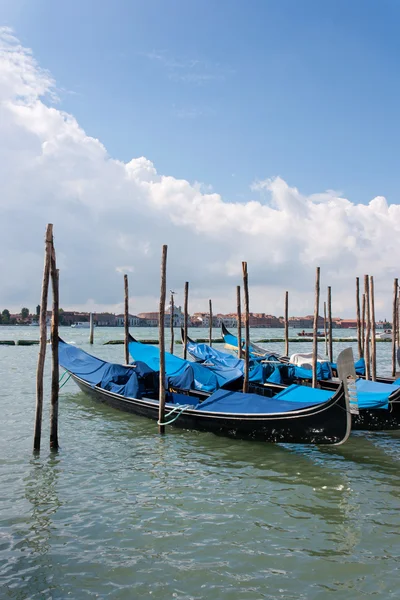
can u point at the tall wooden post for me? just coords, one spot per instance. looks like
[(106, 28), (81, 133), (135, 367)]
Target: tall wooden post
[(363, 325), (367, 328), (315, 330), (43, 338), (373, 328), (210, 323), (394, 327), (161, 335), (185, 317), (325, 331), (55, 370), (247, 327), (126, 319), (91, 328), (239, 321), (398, 319), (359, 331), (286, 323), (330, 346), (172, 314)]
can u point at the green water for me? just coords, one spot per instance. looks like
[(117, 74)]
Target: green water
[(121, 513)]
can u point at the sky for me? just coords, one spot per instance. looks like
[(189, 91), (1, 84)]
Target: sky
[(264, 131)]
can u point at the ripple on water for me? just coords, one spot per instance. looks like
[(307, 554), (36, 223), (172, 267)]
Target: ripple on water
[(120, 513)]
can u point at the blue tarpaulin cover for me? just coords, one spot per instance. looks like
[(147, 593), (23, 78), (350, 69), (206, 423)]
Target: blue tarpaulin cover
[(205, 353), (359, 366), (182, 373), (372, 394), (225, 401), (113, 377), (212, 358)]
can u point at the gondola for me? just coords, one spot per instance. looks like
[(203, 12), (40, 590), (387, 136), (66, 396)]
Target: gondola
[(234, 414), (379, 402)]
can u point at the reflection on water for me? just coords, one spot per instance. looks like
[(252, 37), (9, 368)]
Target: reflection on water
[(123, 513)]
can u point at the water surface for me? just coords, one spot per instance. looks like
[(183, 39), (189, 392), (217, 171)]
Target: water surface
[(121, 513)]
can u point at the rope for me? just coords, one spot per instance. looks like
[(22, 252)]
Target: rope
[(62, 385), (179, 408), (62, 376)]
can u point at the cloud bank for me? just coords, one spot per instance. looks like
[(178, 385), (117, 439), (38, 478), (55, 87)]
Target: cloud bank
[(112, 217)]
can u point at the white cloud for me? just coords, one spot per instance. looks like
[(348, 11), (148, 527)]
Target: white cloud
[(107, 213)]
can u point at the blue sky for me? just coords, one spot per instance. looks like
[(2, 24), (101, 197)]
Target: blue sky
[(229, 92)]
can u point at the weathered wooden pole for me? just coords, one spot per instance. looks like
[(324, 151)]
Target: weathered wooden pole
[(43, 338), (315, 330), (286, 323), (55, 370), (330, 346), (185, 317), (363, 325), (398, 319), (239, 321), (210, 323), (161, 335), (325, 331), (359, 330), (373, 328), (91, 328), (394, 328), (126, 320), (367, 328), (246, 327), (172, 312)]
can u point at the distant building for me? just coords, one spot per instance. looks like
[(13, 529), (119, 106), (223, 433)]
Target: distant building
[(149, 319), (133, 321), (306, 322)]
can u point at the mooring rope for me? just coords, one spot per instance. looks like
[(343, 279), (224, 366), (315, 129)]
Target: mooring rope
[(62, 384), (62, 376), (179, 408)]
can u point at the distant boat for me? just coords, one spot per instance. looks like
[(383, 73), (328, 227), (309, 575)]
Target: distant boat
[(81, 325), (385, 335), (310, 334)]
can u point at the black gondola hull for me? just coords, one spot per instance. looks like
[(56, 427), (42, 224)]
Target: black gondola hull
[(328, 423)]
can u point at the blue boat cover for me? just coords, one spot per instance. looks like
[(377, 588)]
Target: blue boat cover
[(256, 352), (224, 401), (205, 353), (109, 376), (211, 358), (183, 374), (372, 394), (359, 366)]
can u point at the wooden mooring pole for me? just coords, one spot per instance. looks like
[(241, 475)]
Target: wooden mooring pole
[(239, 321), (394, 325), (171, 314), (185, 318), (91, 328), (330, 346), (363, 325), (55, 369), (210, 324), (126, 319), (161, 334), (286, 323), (247, 327), (43, 339), (325, 331), (359, 331), (373, 328), (315, 330), (367, 328)]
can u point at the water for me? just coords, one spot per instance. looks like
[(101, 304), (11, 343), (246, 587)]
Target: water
[(120, 513)]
